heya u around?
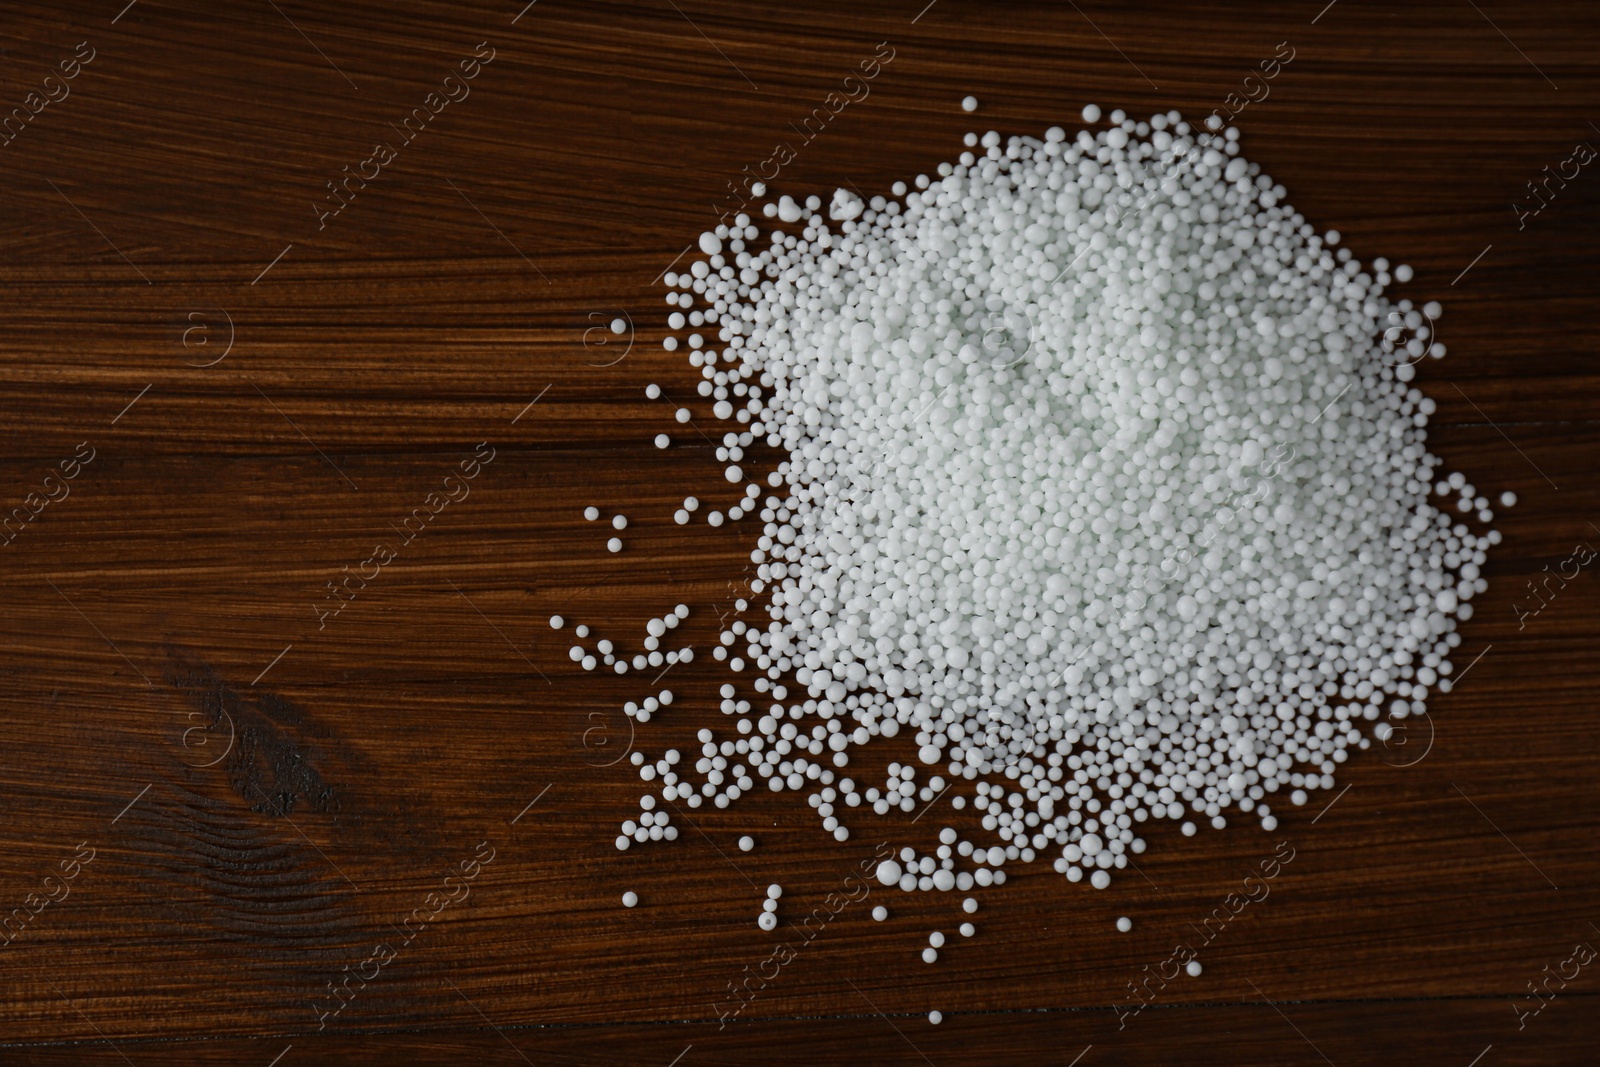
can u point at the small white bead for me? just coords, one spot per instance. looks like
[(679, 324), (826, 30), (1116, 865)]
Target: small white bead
[(1193, 968), (880, 913), (662, 441), (930, 955), (557, 622), (615, 544), (767, 921), (969, 103), (591, 513), (935, 1017), (746, 843), (1124, 924), (629, 899), (619, 522), (967, 929)]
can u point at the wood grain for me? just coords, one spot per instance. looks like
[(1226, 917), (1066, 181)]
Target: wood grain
[(268, 798)]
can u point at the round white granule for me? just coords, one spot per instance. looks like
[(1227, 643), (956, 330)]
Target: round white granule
[(1124, 924), (746, 843), (880, 913), (629, 899), (969, 103), (936, 1017), (767, 921), (1193, 968)]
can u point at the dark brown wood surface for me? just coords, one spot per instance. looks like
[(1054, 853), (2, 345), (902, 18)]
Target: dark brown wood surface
[(266, 800)]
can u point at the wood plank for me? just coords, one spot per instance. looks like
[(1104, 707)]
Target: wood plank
[(269, 798)]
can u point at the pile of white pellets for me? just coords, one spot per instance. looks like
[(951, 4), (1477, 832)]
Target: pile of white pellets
[(1104, 479)]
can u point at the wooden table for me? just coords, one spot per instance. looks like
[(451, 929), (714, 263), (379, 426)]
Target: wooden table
[(274, 798)]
